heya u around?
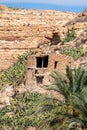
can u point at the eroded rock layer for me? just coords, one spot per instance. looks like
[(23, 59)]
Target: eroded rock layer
[(21, 30)]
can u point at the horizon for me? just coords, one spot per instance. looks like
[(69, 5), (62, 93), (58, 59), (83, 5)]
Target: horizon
[(44, 6), (57, 2)]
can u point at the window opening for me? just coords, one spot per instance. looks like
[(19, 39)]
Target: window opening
[(42, 62), (39, 62), (55, 64), (45, 61)]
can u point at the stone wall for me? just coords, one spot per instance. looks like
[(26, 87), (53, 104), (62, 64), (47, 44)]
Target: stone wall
[(38, 76)]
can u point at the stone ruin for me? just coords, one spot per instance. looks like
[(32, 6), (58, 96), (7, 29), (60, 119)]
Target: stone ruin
[(40, 66)]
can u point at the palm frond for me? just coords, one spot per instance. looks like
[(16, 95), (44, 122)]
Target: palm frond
[(59, 84), (78, 79), (69, 75)]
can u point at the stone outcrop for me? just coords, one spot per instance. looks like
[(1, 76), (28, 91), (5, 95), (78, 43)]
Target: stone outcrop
[(81, 41), (6, 95), (79, 23), (7, 92)]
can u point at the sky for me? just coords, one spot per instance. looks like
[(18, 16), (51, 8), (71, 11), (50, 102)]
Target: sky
[(57, 2)]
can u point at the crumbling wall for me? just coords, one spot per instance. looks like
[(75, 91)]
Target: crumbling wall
[(38, 77), (59, 62)]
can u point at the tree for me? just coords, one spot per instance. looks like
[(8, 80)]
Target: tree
[(72, 84), (70, 113)]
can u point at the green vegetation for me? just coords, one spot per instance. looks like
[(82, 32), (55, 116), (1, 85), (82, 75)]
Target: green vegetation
[(24, 112), (72, 114), (15, 74), (74, 52), (70, 36), (47, 113)]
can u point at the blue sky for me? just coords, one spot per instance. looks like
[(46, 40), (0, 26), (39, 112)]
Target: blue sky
[(57, 2)]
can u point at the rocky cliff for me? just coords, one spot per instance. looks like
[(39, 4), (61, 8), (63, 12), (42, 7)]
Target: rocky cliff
[(21, 30)]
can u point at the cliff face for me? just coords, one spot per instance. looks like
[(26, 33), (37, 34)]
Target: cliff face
[(21, 30)]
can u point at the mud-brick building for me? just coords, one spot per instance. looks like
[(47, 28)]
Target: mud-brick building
[(40, 66)]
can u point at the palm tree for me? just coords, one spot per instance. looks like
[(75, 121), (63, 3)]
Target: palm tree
[(80, 103), (71, 111), (73, 83)]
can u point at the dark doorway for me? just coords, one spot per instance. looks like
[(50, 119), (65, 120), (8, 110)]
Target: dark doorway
[(39, 62), (45, 61), (39, 80)]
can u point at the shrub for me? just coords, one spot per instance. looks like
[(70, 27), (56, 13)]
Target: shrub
[(15, 74), (74, 52), (23, 112), (70, 36)]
